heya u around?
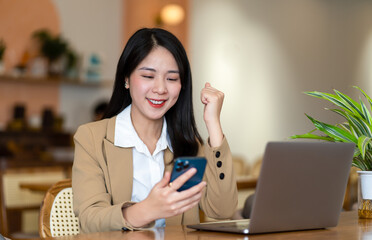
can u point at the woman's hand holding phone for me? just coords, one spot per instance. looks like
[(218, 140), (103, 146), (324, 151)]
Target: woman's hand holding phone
[(165, 201)]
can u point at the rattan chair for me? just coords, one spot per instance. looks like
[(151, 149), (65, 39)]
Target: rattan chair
[(57, 217)]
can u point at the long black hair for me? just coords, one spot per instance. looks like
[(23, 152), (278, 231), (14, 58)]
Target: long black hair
[(181, 125)]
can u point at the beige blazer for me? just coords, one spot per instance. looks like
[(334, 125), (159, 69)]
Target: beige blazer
[(102, 176)]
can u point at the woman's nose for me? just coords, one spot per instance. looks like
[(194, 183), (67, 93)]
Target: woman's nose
[(160, 86)]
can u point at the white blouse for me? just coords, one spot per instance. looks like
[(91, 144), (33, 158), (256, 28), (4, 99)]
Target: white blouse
[(148, 169)]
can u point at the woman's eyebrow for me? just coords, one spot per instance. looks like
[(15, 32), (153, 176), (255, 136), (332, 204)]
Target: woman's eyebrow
[(148, 69), (153, 70)]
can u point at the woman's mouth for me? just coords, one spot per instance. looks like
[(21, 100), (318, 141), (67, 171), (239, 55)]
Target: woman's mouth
[(156, 103)]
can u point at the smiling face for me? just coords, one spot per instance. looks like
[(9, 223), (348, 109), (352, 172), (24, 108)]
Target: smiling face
[(154, 85)]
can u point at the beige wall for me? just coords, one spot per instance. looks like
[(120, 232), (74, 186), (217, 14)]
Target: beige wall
[(18, 20), (91, 26), (143, 13), (264, 54)]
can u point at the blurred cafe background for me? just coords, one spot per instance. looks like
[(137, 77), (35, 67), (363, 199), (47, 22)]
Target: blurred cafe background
[(58, 61)]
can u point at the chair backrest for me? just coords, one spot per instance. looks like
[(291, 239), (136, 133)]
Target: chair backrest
[(19, 207), (57, 217), (240, 166)]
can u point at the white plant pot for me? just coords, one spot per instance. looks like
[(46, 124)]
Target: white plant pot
[(365, 194), (365, 178)]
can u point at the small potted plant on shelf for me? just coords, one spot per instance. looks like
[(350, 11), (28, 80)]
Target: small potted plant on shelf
[(53, 48), (357, 129)]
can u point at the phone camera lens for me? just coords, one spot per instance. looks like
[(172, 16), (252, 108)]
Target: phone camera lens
[(179, 163), (186, 164), (178, 168)]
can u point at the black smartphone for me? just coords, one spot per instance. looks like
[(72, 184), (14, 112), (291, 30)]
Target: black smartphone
[(182, 164)]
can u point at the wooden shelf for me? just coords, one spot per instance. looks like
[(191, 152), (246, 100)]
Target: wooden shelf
[(54, 81), (35, 138)]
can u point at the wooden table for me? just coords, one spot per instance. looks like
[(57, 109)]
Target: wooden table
[(349, 228)]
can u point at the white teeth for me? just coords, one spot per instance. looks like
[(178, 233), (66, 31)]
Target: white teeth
[(155, 102)]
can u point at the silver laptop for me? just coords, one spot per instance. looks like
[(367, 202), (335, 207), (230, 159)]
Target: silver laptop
[(301, 186)]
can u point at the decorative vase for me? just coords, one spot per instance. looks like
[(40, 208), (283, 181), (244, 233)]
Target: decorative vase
[(365, 194)]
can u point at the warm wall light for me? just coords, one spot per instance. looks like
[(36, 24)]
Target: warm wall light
[(172, 14)]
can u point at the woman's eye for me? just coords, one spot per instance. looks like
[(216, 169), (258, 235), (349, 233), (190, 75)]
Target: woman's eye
[(147, 76), (172, 79)]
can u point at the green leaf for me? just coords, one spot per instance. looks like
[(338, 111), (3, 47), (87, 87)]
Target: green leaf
[(360, 125), (357, 162), (366, 113), (333, 131), (368, 161), (330, 97), (365, 164), (363, 143), (312, 136), (349, 127), (340, 112), (365, 95), (356, 152), (346, 127), (350, 102)]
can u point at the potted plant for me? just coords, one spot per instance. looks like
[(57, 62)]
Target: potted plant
[(53, 48), (357, 129)]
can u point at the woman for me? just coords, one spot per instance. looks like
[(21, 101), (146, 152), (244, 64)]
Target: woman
[(121, 171)]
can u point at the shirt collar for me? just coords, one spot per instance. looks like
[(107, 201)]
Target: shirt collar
[(127, 137)]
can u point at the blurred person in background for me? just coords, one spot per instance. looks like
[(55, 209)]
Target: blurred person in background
[(99, 110)]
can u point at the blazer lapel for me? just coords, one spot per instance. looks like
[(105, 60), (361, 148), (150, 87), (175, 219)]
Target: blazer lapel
[(168, 157), (120, 166)]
